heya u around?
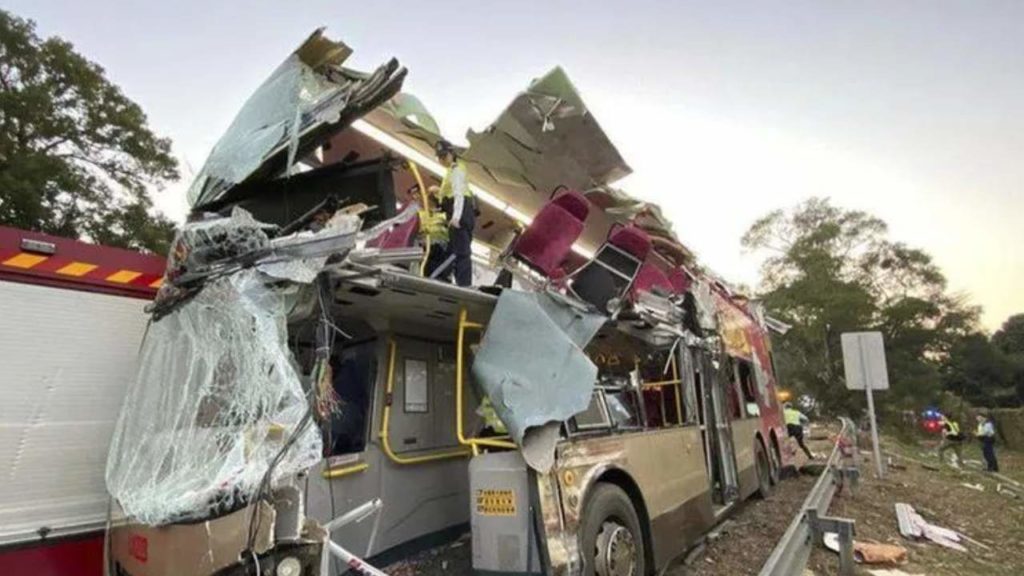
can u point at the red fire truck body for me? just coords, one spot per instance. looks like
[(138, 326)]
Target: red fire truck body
[(71, 320)]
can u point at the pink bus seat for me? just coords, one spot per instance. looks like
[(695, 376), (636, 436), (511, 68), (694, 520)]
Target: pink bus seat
[(680, 280), (651, 278), (549, 238), (401, 235)]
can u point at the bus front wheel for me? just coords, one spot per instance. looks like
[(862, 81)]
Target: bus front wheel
[(611, 541)]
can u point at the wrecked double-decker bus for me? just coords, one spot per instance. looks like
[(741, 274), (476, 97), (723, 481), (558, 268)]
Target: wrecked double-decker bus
[(308, 396)]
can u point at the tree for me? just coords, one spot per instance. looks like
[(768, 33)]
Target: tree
[(979, 372), (77, 157), (829, 270), (1010, 340), (1010, 337)]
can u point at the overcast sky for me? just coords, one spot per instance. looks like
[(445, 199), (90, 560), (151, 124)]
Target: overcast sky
[(725, 110)]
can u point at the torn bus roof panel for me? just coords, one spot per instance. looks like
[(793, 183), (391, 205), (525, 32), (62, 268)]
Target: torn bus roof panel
[(546, 138), (308, 98), (531, 363)]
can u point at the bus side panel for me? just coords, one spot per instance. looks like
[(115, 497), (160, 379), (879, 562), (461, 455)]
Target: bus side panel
[(667, 467), (744, 435)]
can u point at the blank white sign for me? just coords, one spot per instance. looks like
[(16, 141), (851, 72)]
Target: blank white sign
[(416, 394), (864, 361)]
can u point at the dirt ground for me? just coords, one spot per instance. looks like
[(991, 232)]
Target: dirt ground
[(993, 519), (455, 558)]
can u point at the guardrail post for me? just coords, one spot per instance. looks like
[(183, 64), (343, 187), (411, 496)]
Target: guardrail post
[(844, 529)]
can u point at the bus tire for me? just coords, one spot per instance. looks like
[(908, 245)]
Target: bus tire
[(611, 541), (775, 458), (763, 469)]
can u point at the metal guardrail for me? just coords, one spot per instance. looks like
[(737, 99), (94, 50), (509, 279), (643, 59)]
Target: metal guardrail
[(794, 548)]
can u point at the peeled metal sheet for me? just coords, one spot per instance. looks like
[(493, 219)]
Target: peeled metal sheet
[(545, 138), (532, 366)]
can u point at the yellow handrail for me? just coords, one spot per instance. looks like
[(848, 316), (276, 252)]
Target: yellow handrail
[(679, 391), (386, 419), (675, 381), (474, 443), (426, 208), (345, 471)]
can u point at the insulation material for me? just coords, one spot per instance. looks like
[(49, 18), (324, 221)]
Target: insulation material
[(215, 400), (532, 366)]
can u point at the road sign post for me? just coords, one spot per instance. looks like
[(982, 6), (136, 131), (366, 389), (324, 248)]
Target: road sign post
[(865, 368)]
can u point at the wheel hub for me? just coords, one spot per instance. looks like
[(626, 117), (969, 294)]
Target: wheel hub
[(615, 551)]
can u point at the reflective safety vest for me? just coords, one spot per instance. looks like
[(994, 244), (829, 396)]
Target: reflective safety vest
[(792, 417), (490, 417), (950, 428), (445, 191)]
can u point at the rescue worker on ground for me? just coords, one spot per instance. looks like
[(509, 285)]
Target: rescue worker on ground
[(952, 439), (986, 433), (459, 208), (795, 421)]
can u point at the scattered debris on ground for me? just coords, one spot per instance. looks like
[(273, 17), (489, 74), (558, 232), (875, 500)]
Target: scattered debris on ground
[(978, 527)]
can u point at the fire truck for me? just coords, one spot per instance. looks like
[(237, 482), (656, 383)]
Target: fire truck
[(71, 319)]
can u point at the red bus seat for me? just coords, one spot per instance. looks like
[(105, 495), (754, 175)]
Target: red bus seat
[(680, 280), (650, 278), (401, 235), (549, 238)]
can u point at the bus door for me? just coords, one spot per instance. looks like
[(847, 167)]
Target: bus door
[(720, 456)]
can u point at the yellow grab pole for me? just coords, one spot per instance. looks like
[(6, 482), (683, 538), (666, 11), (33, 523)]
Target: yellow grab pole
[(459, 357), (679, 390), (386, 419), (426, 208)]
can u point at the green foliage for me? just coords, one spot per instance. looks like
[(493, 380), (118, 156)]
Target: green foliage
[(980, 372), (828, 271), (1010, 337), (1010, 341), (76, 155)]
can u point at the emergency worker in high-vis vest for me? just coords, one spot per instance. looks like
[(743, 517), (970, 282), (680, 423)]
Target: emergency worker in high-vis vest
[(795, 421), (459, 208), (952, 439)]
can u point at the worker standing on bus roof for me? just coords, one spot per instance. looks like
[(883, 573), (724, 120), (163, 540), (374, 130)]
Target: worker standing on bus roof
[(952, 439), (987, 434), (795, 421), (459, 208)]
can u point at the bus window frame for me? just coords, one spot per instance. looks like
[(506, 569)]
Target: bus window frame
[(575, 428)]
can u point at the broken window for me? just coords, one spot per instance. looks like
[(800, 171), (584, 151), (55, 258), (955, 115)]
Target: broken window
[(745, 377), (594, 417), (355, 371)]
